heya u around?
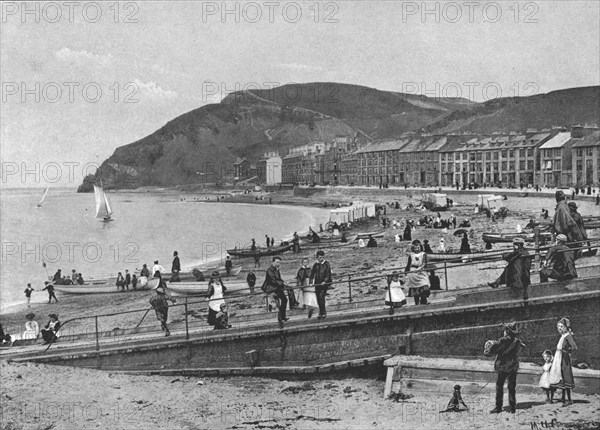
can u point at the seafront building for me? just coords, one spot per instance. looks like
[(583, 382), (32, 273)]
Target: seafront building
[(554, 157)]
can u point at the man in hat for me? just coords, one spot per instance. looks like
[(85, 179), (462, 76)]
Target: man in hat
[(175, 267), (579, 221), (507, 350), (251, 280), (559, 263), (276, 284), (320, 277), (50, 288), (564, 223), (161, 306), (57, 277), (517, 274)]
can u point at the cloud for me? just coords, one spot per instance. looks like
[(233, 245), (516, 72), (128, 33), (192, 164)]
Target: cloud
[(301, 67), (83, 57), (153, 90)]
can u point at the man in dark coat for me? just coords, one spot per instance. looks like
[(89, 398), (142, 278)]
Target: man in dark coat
[(273, 279), (50, 288), (560, 262), (507, 350), (175, 267), (251, 280), (517, 274), (320, 277), (563, 222), (579, 221), (57, 278), (228, 265)]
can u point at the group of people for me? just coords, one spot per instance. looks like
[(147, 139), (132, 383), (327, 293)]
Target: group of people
[(74, 279), (557, 369), (50, 333)]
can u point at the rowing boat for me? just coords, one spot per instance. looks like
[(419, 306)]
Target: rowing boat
[(508, 237), (101, 288), (473, 256), (366, 235), (330, 241), (200, 288), (261, 252), (189, 276)]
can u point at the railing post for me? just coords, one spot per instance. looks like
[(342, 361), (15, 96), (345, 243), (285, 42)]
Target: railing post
[(536, 231), (97, 343), (187, 332), (446, 275), (349, 289)]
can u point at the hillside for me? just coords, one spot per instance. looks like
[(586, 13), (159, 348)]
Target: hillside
[(557, 108), (202, 145)]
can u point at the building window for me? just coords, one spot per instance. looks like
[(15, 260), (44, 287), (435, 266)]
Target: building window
[(443, 156), (511, 166), (495, 155), (488, 155), (522, 165), (529, 164), (579, 152), (504, 153), (557, 152), (589, 151), (530, 152), (579, 165), (522, 152), (504, 165), (557, 165), (450, 157), (479, 156)]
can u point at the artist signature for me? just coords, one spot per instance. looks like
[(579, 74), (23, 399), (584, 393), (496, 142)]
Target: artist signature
[(544, 424)]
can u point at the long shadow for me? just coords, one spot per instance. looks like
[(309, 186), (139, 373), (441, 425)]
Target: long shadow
[(529, 405)]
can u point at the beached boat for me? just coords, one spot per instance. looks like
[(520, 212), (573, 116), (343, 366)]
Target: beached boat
[(189, 275), (508, 237), (103, 208), (375, 235), (200, 288), (329, 240), (261, 252), (458, 257), (101, 288)]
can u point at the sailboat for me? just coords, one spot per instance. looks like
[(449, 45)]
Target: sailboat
[(103, 209), (39, 205)]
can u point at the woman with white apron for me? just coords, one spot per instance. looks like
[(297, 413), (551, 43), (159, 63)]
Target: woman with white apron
[(215, 297), (308, 296), (417, 280)]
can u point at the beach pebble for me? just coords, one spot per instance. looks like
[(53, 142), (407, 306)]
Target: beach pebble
[(200, 383)]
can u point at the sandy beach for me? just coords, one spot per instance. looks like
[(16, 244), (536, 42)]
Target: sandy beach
[(138, 402)]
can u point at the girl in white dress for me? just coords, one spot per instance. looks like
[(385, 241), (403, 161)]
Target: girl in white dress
[(545, 379), (395, 296), (32, 329)]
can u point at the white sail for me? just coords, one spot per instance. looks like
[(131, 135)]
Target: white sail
[(43, 197), (103, 209)]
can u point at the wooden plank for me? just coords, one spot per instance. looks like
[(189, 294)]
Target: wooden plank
[(389, 379)]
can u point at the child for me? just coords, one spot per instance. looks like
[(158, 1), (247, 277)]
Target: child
[(395, 297), (545, 379), (222, 318)]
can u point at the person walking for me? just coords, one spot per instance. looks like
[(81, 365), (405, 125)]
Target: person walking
[(559, 263), (320, 278), (214, 296), (561, 372), (307, 296), (517, 274), (160, 303), (506, 365), (50, 288)]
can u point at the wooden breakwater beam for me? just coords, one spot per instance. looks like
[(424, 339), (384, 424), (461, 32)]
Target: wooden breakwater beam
[(439, 375)]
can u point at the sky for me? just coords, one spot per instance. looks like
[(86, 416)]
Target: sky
[(80, 79)]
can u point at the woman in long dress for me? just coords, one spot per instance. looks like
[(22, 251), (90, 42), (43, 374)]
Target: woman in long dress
[(561, 373), (32, 329), (417, 280), (395, 296), (308, 296), (215, 297)]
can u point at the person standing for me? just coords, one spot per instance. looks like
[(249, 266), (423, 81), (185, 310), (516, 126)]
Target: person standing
[(417, 280), (507, 350), (134, 282), (517, 273), (272, 242), (441, 248), (251, 280), (395, 297), (465, 247), (427, 247), (127, 280), (579, 221), (407, 232), (563, 222), (120, 283), (561, 373), (228, 265), (267, 241), (50, 331), (307, 298), (160, 303), (28, 292), (559, 263), (175, 267), (453, 221), (57, 278), (274, 283), (214, 296), (320, 278), (157, 270), (253, 246), (50, 288), (296, 242)]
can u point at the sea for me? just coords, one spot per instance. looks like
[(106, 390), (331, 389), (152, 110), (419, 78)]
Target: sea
[(64, 234)]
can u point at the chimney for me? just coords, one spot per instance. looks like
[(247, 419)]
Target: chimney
[(577, 131)]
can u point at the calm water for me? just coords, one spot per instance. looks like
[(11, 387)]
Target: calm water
[(146, 227)]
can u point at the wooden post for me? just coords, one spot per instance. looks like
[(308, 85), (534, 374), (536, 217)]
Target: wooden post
[(446, 275), (97, 344), (349, 290), (536, 231), (187, 331)]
